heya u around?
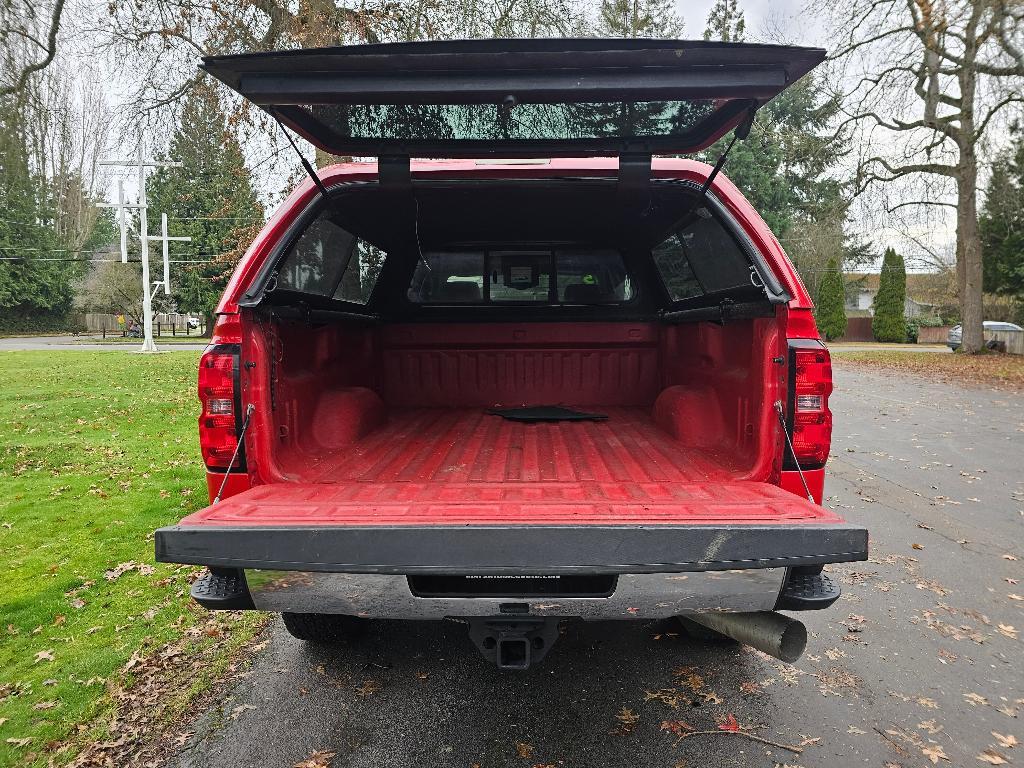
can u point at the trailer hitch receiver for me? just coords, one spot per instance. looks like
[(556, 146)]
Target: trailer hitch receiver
[(513, 643)]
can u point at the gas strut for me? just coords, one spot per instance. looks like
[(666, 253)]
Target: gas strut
[(241, 436), (792, 451), (310, 170)]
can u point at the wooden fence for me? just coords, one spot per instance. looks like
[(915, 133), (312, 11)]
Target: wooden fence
[(1014, 340)]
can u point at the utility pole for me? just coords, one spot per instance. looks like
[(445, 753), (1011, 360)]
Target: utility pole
[(148, 289)]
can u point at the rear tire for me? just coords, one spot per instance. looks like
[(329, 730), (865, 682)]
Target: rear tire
[(702, 634), (327, 628)]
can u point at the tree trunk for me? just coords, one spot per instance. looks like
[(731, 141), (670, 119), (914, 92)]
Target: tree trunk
[(969, 248), (968, 237)]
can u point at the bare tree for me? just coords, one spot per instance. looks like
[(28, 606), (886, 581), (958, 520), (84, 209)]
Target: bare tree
[(29, 41), (111, 287), (158, 43), (931, 81), (67, 129)]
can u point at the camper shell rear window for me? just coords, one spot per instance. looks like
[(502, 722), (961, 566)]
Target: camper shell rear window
[(563, 248)]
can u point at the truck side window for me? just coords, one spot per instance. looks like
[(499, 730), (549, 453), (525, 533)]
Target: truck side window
[(701, 257), (328, 260)]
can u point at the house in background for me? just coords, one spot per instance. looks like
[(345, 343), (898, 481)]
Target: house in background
[(926, 292)]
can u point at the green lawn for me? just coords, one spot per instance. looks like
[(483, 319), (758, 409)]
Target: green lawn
[(97, 449)]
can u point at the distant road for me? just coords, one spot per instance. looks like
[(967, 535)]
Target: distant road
[(868, 346), (82, 344)]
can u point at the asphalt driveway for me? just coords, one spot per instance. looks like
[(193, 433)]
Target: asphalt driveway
[(917, 665)]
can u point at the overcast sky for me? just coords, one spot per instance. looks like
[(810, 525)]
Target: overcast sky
[(785, 21)]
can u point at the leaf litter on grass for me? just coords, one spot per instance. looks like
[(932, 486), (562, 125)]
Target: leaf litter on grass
[(87, 441)]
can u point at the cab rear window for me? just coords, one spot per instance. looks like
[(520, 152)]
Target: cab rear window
[(521, 277)]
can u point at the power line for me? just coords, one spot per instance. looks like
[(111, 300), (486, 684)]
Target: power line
[(99, 261)]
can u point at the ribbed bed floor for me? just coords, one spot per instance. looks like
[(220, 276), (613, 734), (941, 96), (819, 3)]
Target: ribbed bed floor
[(431, 467), (453, 446)]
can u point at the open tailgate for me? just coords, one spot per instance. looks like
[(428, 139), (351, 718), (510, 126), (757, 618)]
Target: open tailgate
[(525, 528), (514, 98)]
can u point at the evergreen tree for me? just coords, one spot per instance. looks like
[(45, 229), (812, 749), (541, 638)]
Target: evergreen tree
[(889, 322), (210, 198), (639, 18), (1002, 226), (35, 289), (725, 22), (831, 305)]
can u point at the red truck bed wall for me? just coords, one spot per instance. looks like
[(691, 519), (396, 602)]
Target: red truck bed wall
[(577, 364)]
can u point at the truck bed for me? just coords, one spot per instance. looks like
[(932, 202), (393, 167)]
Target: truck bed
[(471, 446), (460, 491)]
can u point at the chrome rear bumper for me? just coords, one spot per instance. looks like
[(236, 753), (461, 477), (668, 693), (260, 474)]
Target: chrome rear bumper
[(636, 596)]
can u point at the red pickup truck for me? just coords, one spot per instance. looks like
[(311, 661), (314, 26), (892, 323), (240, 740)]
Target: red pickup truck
[(546, 378)]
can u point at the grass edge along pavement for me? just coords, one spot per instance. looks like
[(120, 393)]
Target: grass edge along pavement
[(96, 451), (990, 369)]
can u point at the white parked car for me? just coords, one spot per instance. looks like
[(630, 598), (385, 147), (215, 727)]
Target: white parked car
[(956, 333)]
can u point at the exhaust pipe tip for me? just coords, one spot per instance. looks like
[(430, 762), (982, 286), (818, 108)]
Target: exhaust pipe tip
[(793, 641), (773, 633)]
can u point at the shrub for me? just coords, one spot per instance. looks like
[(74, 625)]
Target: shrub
[(831, 309), (889, 323)]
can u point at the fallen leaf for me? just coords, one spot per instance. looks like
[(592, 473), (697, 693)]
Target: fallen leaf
[(917, 546), (524, 750), (20, 742), (1006, 742), (728, 723), (319, 759), (975, 699), (59, 619), (44, 656), (628, 717), (992, 757), (670, 697), (239, 710), (368, 688), (1013, 596), (1007, 630), (678, 727), (42, 705), (1009, 557), (934, 753)]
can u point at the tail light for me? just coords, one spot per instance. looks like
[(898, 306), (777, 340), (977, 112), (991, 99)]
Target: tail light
[(810, 420), (220, 395)]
